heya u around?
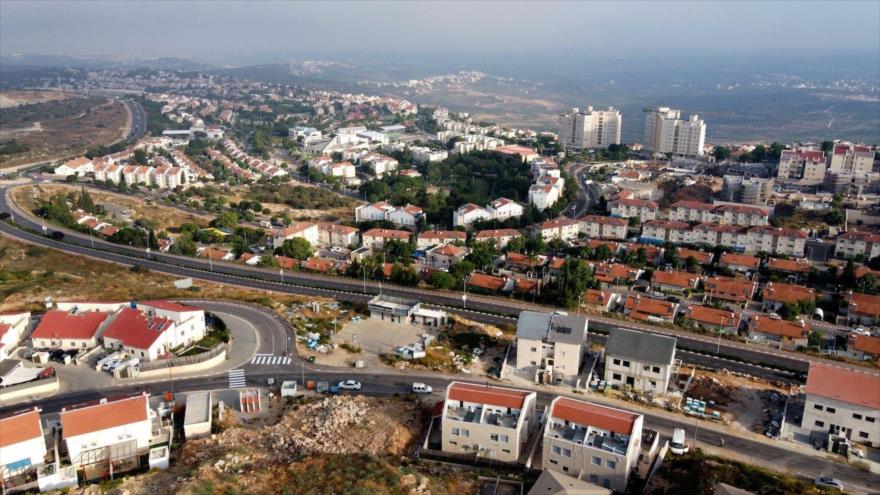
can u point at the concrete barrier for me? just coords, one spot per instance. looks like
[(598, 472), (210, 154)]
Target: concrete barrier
[(182, 369), (33, 388)]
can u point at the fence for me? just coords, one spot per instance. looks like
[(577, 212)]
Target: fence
[(183, 360), (473, 460)]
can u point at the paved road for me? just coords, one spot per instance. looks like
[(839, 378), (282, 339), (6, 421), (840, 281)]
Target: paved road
[(138, 121)]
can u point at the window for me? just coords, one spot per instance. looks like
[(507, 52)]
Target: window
[(597, 461), (863, 434), (453, 443), (616, 361), (869, 419), (493, 437), (615, 376), (831, 410), (554, 461), (504, 438), (455, 431), (594, 478), (610, 464), (606, 482), (656, 369), (820, 423), (566, 452), (818, 407), (626, 364), (564, 469), (557, 450), (857, 416), (465, 433), (646, 367), (534, 349)]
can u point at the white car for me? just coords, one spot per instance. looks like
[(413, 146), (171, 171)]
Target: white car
[(111, 365), (421, 388), (678, 444), (349, 385), (826, 482)]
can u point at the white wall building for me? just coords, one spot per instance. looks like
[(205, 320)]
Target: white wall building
[(588, 130), (666, 132)]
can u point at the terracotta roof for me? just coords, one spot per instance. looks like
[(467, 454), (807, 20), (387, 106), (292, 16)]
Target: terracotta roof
[(863, 270), (693, 205), (523, 260), (776, 326), (866, 343), (597, 297), (778, 231), (495, 396), (861, 236), (797, 265), (595, 243), (285, 262), (448, 250), (468, 207), (609, 272), (603, 220), (214, 254), (443, 234), (523, 285), (388, 234), (788, 293), (135, 329), (556, 263), (484, 281), (318, 265), (20, 427), (675, 279), (104, 416), (649, 306), (638, 203), (739, 260), (864, 304), (522, 151), (336, 228), (712, 316), (497, 234), (845, 385), (746, 209), (65, 325), (668, 225), (702, 257), (730, 288), (557, 223), (589, 414)]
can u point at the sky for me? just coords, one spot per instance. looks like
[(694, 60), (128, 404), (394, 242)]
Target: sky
[(625, 28)]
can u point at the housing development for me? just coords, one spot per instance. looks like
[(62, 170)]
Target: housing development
[(261, 283)]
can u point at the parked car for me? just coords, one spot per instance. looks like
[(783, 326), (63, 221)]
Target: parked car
[(826, 482), (421, 388), (350, 385), (678, 445), (111, 365), (57, 355), (47, 373)]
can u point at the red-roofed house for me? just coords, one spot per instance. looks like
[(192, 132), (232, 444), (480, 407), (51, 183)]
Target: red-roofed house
[(863, 309), (601, 227), (434, 237), (775, 295), (22, 445), (844, 402), (592, 441), (492, 422), (139, 334), (711, 318), (376, 238), (674, 281), (787, 334), (649, 309), (445, 255), (739, 262), (69, 329), (489, 283), (700, 257), (855, 242), (615, 273), (862, 347), (12, 328), (500, 236), (124, 424), (604, 299), (738, 290), (644, 209)]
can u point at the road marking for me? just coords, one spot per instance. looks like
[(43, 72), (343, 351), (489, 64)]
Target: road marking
[(270, 359), (237, 378)]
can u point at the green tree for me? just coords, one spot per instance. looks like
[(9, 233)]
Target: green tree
[(721, 153), (228, 219), (140, 156), (848, 277), (482, 254), (404, 274), (827, 146), (461, 270), (443, 280), (296, 248)]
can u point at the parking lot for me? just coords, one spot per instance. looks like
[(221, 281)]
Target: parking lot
[(373, 337)]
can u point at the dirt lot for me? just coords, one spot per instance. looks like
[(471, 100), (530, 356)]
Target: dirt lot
[(114, 204), (304, 453), (743, 402), (10, 99), (59, 137)]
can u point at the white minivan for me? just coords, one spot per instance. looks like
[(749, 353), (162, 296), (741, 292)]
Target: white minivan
[(421, 388), (678, 445)]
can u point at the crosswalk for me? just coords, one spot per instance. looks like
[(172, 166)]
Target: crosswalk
[(236, 378), (269, 359)]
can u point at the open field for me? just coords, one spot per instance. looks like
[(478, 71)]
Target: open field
[(81, 124), (115, 204), (11, 99)]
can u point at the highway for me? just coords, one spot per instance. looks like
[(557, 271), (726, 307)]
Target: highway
[(272, 335), (759, 361)]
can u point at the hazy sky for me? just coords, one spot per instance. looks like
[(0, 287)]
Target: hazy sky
[(169, 28)]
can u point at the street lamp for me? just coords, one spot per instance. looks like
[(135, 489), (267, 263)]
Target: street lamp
[(281, 272)]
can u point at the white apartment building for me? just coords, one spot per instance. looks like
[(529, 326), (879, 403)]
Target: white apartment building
[(543, 195), (305, 230), (806, 168), (562, 228), (855, 243), (589, 130), (77, 166), (843, 402), (406, 216), (491, 422), (551, 344), (372, 212), (442, 256), (852, 158), (379, 164), (599, 444), (725, 214), (335, 235), (777, 240), (666, 132), (431, 238), (423, 154), (376, 238), (601, 227), (499, 236), (639, 361), (13, 327), (644, 209), (668, 231), (503, 208), (469, 213), (91, 432)]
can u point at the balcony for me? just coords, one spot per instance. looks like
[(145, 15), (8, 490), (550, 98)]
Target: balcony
[(478, 414), (591, 437)]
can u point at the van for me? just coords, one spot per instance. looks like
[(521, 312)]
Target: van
[(678, 446), (421, 388)]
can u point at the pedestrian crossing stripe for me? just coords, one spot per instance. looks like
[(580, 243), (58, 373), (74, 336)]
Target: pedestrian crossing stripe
[(237, 378), (269, 359)]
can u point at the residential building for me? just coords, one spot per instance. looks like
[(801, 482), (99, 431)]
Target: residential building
[(639, 361), (499, 236), (797, 267), (304, 230), (601, 227), (491, 422), (72, 329), (490, 284), (729, 236), (373, 212), (379, 164), (862, 309), (736, 290), (854, 159), (739, 262), (442, 256), (214, 254), (784, 333), (140, 335), (674, 281), (376, 238), (843, 402), (552, 344), (615, 273), (554, 483), (692, 211), (857, 243), (862, 347), (423, 154), (667, 231), (604, 299), (434, 237), (336, 235), (525, 153), (503, 208), (592, 442), (589, 130), (739, 214), (469, 213), (13, 326), (806, 168), (562, 228), (777, 240), (753, 190), (649, 309), (644, 209), (711, 319), (406, 216), (77, 166), (22, 444), (666, 132), (117, 428), (543, 195), (701, 257), (776, 295)]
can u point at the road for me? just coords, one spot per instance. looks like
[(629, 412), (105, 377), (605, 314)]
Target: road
[(272, 337), (766, 363)]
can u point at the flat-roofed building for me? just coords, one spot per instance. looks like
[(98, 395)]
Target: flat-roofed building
[(550, 342), (491, 422), (843, 402), (639, 361), (592, 442)]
